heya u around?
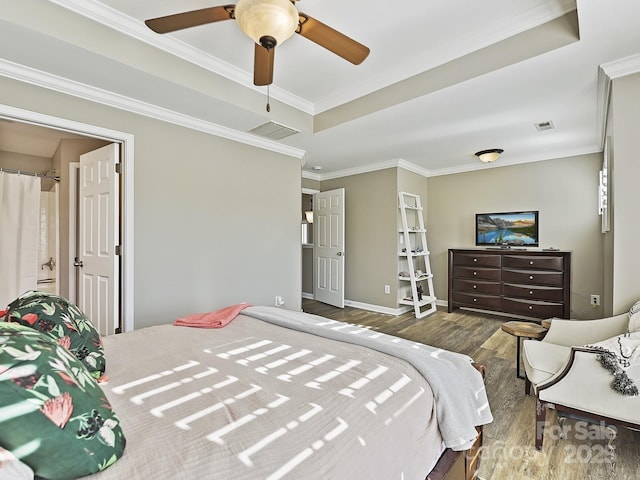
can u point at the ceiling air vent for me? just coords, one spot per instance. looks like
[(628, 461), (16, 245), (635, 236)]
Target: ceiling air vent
[(274, 130), (542, 126)]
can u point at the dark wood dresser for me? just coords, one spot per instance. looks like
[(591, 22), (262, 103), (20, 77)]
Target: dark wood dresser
[(530, 283)]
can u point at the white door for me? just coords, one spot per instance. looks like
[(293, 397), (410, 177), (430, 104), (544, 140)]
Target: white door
[(99, 267), (328, 220)]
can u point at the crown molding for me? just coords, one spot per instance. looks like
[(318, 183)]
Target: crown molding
[(86, 92), (622, 67), (514, 161), (312, 176), (413, 168), (470, 167), (358, 170), (395, 163), (607, 72)]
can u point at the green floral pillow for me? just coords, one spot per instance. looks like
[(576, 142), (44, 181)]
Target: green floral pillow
[(64, 322), (54, 417)]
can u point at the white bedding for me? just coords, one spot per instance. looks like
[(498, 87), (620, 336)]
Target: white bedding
[(458, 388), (258, 401)]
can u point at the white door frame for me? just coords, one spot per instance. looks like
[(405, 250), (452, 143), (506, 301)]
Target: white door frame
[(74, 171), (127, 174)]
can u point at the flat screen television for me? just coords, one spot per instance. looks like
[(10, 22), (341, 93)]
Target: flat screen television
[(507, 229)]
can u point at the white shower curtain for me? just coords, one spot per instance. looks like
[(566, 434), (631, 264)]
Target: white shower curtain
[(19, 235)]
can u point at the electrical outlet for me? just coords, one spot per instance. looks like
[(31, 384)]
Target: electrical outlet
[(387, 289), (595, 300), (279, 301)]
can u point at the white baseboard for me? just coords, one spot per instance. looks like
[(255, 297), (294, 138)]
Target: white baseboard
[(377, 308)]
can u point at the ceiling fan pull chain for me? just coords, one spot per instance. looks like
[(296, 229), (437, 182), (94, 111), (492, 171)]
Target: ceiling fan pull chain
[(268, 106)]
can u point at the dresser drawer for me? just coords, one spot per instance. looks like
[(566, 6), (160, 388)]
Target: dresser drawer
[(533, 292), (532, 308), (478, 301), (478, 273), (537, 261), (472, 260), (538, 277), (520, 282), (476, 286)]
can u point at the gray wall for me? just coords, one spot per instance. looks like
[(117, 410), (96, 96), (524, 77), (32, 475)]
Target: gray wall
[(195, 209), (563, 190), (411, 182), (311, 184), (30, 163), (371, 237), (216, 222), (625, 171)]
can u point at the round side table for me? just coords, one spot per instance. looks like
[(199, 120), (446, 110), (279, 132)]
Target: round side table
[(522, 330)]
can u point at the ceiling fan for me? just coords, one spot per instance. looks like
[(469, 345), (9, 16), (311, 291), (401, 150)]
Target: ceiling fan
[(268, 23)]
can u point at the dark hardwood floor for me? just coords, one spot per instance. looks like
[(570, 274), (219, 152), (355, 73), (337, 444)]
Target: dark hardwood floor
[(508, 452)]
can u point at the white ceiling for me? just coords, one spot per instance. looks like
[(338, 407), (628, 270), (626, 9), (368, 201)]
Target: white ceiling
[(443, 80)]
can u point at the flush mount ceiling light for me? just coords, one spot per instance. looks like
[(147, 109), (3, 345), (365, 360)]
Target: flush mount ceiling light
[(490, 155)]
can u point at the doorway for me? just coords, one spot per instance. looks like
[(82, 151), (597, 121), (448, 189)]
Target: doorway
[(306, 214), (32, 123)]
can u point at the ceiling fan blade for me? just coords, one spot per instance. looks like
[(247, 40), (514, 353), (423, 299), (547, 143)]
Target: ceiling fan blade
[(332, 40), (178, 21), (263, 65)]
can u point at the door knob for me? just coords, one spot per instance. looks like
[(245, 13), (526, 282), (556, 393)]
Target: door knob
[(77, 263), (340, 254)]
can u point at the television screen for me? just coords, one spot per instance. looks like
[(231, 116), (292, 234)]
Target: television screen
[(508, 228)]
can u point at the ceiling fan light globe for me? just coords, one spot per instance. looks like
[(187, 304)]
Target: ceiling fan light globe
[(267, 18)]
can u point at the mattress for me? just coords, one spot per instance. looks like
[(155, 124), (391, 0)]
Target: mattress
[(254, 400)]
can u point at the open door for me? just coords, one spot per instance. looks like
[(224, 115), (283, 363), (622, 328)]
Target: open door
[(99, 233), (328, 213)]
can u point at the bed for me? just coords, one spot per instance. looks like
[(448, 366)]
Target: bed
[(278, 394)]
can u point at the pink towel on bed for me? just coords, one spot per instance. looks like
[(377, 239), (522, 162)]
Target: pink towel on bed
[(215, 319)]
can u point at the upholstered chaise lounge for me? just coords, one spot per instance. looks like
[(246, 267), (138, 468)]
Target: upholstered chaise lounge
[(566, 375)]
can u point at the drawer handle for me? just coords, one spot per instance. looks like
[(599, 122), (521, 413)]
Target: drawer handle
[(475, 286), (530, 277), (475, 259), (531, 262), (530, 292), (475, 273), (530, 307), (475, 299)]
